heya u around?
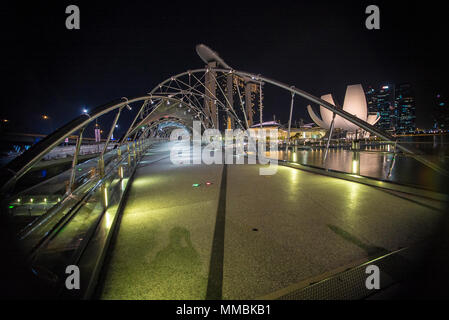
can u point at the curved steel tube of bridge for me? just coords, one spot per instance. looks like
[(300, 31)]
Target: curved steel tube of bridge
[(14, 170)]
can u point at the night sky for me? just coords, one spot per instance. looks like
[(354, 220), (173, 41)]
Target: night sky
[(126, 48)]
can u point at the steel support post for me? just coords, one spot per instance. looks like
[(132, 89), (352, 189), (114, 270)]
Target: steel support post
[(129, 154), (75, 161), (111, 131), (260, 105), (290, 122), (329, 139), (101, 166), (242, 105)]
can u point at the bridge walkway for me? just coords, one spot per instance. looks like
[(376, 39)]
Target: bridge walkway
[(244, 235)]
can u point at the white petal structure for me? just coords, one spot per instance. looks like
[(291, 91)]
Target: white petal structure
[(355, 104), (373, 118), (326, 114), (316, 119)]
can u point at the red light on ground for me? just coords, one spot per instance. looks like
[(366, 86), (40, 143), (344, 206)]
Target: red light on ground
[(208, 183)]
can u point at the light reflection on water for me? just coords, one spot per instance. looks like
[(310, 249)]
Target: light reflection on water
[(377, 163)]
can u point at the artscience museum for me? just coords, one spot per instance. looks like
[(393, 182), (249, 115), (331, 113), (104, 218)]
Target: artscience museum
[(354, 103)]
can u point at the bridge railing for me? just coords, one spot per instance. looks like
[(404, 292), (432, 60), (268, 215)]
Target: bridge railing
[(56, 213), (64, 151), (32, 184), (57, 249), (48, 208), (75, 231)]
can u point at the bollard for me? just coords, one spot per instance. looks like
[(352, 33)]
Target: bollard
[(355, 163), (104, 195), (355, 145), (129, 155), (136, 149), (120, 172), (101, 167)]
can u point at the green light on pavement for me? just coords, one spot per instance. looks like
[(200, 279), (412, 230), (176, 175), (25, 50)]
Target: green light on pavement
[(196, 185)]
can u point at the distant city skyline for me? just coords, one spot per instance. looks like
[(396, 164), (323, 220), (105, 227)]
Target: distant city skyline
[(396, 105)]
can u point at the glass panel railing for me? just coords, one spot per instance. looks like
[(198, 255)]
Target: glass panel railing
[(89, 220), (35, 202), (47, 209)]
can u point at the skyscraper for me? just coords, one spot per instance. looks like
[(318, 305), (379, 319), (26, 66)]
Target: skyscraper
[(210, 88), (395, 105), (440, 112), (386, 108), (249, 94), (371, 99), (405, 108)]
